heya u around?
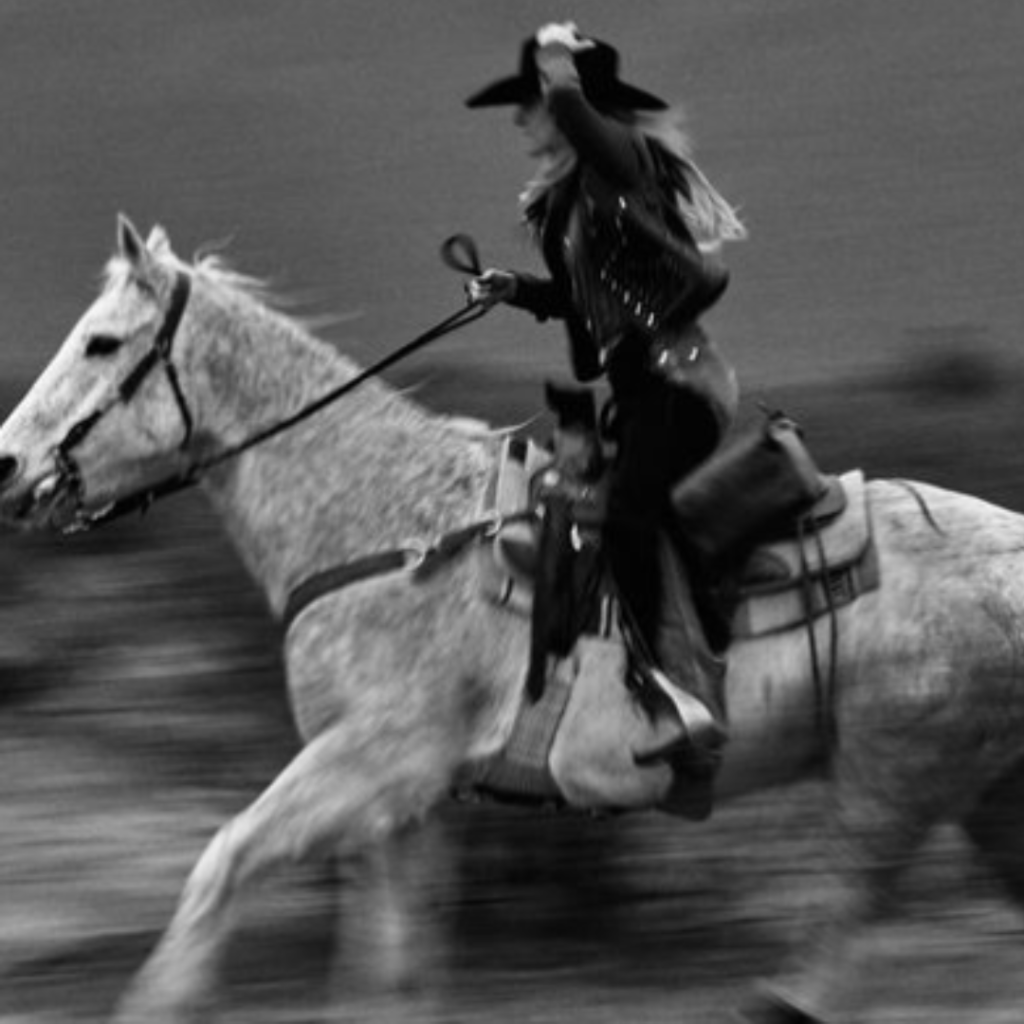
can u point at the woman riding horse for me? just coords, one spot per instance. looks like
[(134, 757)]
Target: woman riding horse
[(630, 230)]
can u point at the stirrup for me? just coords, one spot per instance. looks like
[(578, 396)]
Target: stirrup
[(697, 748)]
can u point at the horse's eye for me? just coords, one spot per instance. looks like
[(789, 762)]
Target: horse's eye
[(102, 345)]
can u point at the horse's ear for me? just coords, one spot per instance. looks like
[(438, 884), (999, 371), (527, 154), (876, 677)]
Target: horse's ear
[(136, 252), (158, 242), (129, 241)]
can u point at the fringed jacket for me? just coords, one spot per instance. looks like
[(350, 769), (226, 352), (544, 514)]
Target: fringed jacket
[(627, 276)]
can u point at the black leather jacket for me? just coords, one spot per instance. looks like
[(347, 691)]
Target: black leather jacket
[(621, 316)]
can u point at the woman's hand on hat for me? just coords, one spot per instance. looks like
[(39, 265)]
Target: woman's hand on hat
[(491, 287), (565, 34)]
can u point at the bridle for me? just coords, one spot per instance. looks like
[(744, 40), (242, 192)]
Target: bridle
[(159, 354), (459, 252)]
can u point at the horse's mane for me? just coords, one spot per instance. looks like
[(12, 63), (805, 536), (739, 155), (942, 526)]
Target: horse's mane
[(217, 271), (210, 265)]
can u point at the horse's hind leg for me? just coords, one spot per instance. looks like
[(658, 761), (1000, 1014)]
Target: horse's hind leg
[(873, 836), (342, 791), (996, 827)]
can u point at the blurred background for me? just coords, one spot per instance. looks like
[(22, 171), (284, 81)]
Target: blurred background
[(874, 150)]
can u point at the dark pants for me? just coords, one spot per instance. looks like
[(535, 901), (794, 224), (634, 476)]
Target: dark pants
[(663, 432)]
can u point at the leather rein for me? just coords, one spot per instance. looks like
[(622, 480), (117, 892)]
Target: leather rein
[(458, 252)]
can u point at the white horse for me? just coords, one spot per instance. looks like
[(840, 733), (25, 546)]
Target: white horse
[(401, 680)]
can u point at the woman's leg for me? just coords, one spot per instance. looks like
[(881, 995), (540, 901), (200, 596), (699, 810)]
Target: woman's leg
[(664, 433)]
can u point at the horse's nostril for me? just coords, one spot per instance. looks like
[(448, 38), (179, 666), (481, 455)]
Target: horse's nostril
[(8, 469)]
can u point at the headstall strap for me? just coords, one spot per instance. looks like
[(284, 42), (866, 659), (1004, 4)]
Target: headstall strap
[(164, 339), (138, 374), (160, 352), (164, 342)]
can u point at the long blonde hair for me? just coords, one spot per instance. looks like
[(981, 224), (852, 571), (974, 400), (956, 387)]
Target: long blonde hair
[(709, 217)]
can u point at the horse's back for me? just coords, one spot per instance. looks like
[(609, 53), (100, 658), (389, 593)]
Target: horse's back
[(937, 641), (938, 525)]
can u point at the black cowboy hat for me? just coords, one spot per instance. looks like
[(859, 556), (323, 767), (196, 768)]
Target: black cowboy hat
[(598, 67)]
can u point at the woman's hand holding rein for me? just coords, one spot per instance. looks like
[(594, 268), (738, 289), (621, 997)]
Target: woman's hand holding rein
[(491, 287)]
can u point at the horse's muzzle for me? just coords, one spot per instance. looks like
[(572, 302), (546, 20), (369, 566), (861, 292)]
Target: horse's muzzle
[(49, 501)]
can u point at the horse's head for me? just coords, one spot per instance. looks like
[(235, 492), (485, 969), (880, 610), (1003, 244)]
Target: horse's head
[(109, 416)]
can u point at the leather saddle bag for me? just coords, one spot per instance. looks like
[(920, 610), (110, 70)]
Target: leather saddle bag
[(757, 483)]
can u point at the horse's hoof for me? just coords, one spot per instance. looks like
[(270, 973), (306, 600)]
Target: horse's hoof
[(134, 1008), (773, 1010)]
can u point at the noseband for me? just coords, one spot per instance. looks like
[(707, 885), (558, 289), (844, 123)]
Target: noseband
[(158, 354)]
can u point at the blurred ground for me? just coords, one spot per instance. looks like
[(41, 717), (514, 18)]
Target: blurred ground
[(875, 149), (132, 727)]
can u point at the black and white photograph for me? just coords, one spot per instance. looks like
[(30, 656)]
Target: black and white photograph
[(511, 512)]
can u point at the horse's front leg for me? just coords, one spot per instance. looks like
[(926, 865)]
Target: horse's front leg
[(344, 791), (390, 943)]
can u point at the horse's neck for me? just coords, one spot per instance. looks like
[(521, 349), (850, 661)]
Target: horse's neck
[(370, 471)]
